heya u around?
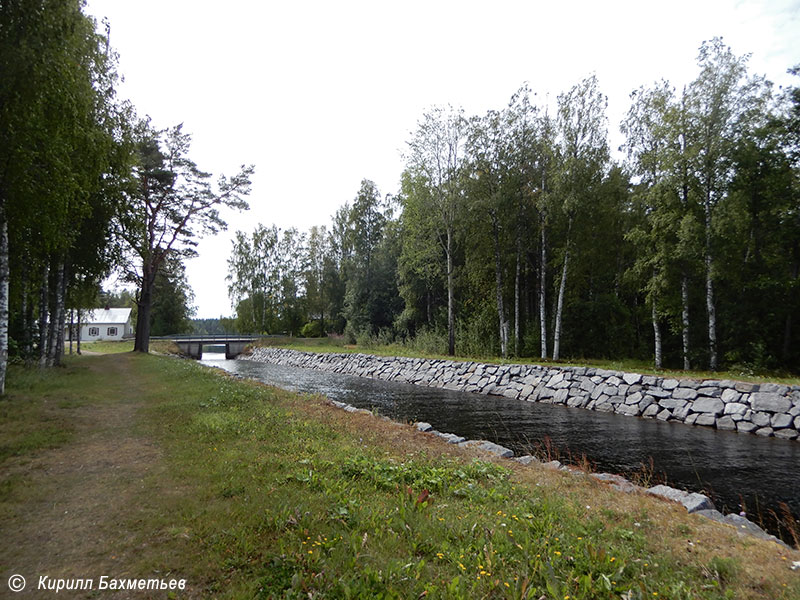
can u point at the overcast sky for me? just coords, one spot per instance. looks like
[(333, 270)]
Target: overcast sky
[(320, 94)]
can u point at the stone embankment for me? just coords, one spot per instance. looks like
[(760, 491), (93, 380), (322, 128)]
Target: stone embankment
[(765, 409)]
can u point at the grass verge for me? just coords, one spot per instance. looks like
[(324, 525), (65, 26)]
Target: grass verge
[(247, 491)]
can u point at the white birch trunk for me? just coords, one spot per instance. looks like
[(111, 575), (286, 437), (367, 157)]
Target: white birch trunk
[(685, 321), (712, 316), (712, 312), (517, 284), (560, 307), (451, 320), (498, 279), (543, 290), (4, 277), (44, 294), (62, 318), (55, 319), (657, 335), (78, 333)]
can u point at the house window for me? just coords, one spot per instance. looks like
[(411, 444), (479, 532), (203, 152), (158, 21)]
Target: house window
[(94, 331), (111, 331)]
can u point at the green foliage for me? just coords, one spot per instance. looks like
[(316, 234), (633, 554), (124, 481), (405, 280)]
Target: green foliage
[(515, 227), (264, 275), (312, 329), (172, 300)]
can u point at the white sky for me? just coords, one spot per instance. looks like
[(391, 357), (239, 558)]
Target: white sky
[(320, 94)]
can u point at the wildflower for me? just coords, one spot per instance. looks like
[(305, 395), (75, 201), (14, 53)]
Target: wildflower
[(612, 559), (557, 553), (505, 583), (462, 567)]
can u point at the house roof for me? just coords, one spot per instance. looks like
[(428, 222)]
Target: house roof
[(111, 315)]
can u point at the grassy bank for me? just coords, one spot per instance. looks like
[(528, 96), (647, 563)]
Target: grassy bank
[(149, 466), (335, 344)]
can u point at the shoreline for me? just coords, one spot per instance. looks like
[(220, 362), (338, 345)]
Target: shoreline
[(694, 503), (766, 409)]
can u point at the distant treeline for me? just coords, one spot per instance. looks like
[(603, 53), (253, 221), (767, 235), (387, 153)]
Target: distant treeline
[(515, 233), (213, 326)]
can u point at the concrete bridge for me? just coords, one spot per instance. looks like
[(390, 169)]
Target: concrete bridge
[(192, 345)]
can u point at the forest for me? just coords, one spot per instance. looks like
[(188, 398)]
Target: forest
[(89, 188), (515, 233)]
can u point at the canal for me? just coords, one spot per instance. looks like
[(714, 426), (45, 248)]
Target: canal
[(738, 471)]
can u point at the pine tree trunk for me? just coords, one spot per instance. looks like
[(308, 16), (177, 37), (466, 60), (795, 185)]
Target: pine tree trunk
[(44, 295), (71, 328), (4, 278), (685, 321), (451, 320), (543, 290), (142, 343), (657, 335)]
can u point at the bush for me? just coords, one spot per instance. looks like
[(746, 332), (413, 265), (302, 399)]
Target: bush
[(312, 329), (428, 341)]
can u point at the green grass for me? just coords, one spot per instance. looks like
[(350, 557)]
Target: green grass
[(638, 366), (107, 347), (265, 494)]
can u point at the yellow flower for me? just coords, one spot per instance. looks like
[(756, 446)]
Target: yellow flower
[(505, 583)]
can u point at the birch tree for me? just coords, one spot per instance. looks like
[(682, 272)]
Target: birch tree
[(648, 142), (436, 153), (583, 153), (718, 99)]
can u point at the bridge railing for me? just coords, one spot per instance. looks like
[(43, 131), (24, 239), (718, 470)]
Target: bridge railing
[(218, 337)]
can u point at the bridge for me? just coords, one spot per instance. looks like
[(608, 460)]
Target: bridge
[(192, 345)]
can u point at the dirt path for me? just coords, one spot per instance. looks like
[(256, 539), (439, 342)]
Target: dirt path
[(69, 519)]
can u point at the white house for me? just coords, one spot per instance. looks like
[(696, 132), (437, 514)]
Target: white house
[(106, 324)]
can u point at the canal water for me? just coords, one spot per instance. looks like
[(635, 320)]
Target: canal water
[(739, 471)]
